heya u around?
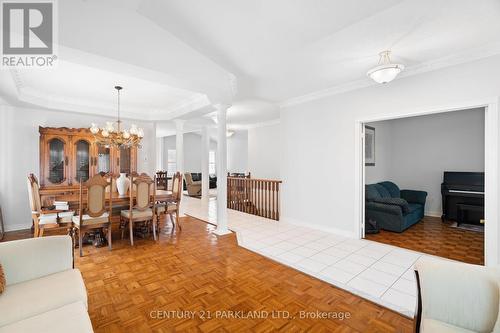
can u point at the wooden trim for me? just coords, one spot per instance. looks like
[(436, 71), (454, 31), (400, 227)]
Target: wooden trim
[(257, 179), (63, 130), (418, 316), (110, 197), (254, 196), (80, 205)]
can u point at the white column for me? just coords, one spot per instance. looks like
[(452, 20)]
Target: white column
[(179, 145), (160, 153), (205, 149), (153, 163), (221, 170)]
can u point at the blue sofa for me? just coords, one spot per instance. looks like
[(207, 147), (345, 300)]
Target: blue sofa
[(392, 208)]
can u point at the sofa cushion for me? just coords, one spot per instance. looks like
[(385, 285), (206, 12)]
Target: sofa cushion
[(392, 188), (68, 318), (414, 196), (383, 191), (414, 207), (459, 294), (431, 326), (371, 192), (30, 298)]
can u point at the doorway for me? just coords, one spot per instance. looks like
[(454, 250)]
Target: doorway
[(490, 140)]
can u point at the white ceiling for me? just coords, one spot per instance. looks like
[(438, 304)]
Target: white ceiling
[(250, 112), (176, 57), (80, 88), (282, 49)]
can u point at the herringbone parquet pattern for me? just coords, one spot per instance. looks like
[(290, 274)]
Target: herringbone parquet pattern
[(193, 270), (435, 237)]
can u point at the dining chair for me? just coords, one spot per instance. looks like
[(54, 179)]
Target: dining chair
[(43, 219), (2, 229), (161, 180), (172, 205), (92, 213), (142, 210)]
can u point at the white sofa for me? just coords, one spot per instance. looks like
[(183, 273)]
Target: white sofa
[(457, 297), (44, 292)]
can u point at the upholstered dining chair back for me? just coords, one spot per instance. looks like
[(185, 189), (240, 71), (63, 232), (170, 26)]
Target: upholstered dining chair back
[(34, 193), (177, 186), (30, 194), (143, 186), (109, 177), (94, 215), (96, 195)]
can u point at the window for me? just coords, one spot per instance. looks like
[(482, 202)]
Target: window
[(171, 162), (211, 162)]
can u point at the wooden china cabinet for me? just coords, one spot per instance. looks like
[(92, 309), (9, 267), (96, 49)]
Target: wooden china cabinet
[(68, 155)]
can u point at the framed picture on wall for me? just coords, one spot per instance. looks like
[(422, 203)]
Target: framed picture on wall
[(369, 146)]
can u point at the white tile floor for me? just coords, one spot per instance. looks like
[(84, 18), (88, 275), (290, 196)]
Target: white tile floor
[(380, 273)]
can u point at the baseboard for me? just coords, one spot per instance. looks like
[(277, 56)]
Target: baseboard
[(16, 227), (336, 231), (433, 214)]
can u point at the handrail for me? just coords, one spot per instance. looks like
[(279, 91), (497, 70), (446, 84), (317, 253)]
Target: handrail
[(259, 197)]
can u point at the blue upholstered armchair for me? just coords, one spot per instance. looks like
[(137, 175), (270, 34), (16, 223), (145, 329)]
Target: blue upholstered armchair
[(392, 208)]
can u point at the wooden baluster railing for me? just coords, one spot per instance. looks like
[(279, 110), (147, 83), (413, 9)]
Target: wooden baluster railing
[(254, 196)]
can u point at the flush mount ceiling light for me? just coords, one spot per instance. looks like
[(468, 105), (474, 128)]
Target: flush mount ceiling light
[(385, 71)]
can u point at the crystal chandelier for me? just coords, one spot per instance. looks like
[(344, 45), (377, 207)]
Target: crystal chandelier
[(117, 137), (385, 71)]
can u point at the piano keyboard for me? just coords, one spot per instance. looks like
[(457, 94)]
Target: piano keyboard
[(468, 192)]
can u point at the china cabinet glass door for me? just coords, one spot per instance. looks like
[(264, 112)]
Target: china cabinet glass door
[(82, 160), (125, 160), (56, 161), (103, 159)]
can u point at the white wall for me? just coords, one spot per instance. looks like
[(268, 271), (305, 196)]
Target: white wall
[(421, 148), (237, 152), (264, 152), (319, 183), (160, 153), (192, 150), (19, 151), (381, 170)]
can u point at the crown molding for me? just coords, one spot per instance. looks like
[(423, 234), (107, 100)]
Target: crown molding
[(37, 98), (463, 57), (254, 125)]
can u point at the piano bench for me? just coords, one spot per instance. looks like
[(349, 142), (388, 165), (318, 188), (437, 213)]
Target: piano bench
[(464, 210)]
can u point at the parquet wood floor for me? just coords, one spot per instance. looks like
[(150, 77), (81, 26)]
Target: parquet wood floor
[(194, 270), (435, 237)]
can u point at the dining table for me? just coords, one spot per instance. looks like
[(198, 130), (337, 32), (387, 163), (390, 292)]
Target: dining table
[(73, 198), (118, 201)]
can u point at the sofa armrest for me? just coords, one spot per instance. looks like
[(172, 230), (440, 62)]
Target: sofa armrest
[(399, 202), (414, 196), (459, 294), (32, 258), (384, 208)]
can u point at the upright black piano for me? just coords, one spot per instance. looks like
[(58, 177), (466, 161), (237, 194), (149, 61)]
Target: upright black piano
[(463, 196)]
